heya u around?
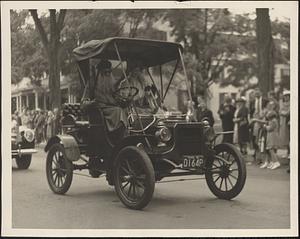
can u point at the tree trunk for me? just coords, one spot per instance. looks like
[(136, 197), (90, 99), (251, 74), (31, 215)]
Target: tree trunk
[(53, 49), (54, 79), (54, 69), (265, 51)]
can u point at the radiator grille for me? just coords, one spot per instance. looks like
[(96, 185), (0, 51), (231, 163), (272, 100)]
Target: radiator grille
[(189, 139)]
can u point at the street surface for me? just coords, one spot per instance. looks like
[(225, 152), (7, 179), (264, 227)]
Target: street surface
[(92, 204)]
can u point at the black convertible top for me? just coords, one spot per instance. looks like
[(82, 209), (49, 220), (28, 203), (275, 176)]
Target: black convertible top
[(147, 52)]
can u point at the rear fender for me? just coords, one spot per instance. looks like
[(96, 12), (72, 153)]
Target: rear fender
[(69, 143)]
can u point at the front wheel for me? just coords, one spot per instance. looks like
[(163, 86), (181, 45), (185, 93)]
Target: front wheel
[(134, 177), (59, 170), (24, 161), (226, 172)]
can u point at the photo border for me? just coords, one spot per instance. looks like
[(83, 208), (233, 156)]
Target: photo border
[(7, 230)]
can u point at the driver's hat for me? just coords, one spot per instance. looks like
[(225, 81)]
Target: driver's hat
[(103, 65)]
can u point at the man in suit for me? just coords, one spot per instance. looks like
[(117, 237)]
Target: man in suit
[(202, 112), (258, 109), (226, 113)]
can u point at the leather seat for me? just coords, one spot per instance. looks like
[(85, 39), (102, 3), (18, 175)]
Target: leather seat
[(93, 112), (72, 109)]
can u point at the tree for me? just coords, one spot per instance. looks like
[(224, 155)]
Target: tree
[(265, 50), (27, 58), (281, 35), (81, 26), (140, 21), (17, 38), (86, 24), (243, 67), (52, 46), (207, 35)]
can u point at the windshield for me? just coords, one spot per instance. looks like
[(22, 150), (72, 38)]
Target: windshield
[(151, 89), (160, 89), (147, 97), (170, 85)]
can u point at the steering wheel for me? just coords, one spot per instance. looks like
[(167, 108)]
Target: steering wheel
[(125, 94)]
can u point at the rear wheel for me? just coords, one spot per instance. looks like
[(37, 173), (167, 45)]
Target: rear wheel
[(24, 161), (59, 170), (226, 173), (134, 177)]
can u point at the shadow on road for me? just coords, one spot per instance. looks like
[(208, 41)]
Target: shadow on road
[(15, 169)]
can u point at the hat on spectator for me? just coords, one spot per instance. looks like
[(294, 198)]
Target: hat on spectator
[(286, 92), (241, 99)]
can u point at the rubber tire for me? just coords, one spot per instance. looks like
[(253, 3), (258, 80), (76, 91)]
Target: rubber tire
[(69, 167), (24, 161), (134, 152), (226, 147)]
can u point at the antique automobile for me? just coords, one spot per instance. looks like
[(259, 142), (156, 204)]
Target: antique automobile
[(22, 146), (157, 143)]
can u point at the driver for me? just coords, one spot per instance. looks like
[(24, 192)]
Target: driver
[(106, 85)]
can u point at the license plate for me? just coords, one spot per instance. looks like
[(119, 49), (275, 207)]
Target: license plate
[(195, 161)]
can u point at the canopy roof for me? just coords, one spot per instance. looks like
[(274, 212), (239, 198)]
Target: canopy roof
[(147, 52)]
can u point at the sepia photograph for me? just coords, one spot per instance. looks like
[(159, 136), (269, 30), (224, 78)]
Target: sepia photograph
[(149, 118)]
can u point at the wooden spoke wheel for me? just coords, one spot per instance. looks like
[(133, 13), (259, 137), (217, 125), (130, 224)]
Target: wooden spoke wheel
[(134, 177), (226, 172), (59, 170)]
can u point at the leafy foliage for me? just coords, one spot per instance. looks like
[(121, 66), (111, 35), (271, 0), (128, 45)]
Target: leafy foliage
[(215, 41), (28, 58), (218, 42), (207, 34)]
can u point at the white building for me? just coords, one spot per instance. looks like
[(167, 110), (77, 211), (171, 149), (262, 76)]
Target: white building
[(27, 95)]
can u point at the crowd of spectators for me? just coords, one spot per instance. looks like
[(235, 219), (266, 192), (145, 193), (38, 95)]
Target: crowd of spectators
[(44, 123), (259, 123)]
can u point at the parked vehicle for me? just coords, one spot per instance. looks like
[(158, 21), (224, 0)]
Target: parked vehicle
[(157, 145), (22, 146)]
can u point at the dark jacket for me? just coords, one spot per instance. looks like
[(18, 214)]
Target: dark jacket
[(243, 125), (201, 114), (226, 113)]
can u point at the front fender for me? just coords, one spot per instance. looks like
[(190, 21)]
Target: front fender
[(133, 140), (69, 143)]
